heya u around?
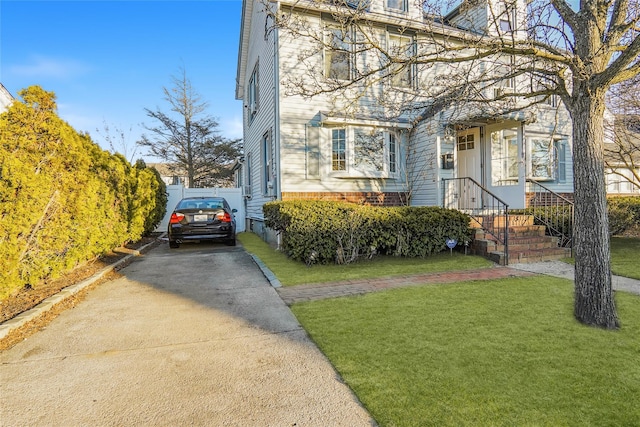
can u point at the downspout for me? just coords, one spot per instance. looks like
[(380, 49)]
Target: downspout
[(276, 112), (276, 108)]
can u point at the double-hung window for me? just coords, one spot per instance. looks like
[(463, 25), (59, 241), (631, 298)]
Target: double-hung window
[(504, 75), (542, 164), (338, 150), (547, 158), (506, 16), (393, 153), (561, 149), (268, 165), (401, 50), (252, 95), (338, 55), (364, 152), (396, 5)]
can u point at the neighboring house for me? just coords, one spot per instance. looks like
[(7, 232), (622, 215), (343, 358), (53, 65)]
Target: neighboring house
[(170, 174), (5, 98), (300, 148), (622, 154)]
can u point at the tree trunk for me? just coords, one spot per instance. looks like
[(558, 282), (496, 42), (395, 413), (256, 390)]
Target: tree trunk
[(594, 304)]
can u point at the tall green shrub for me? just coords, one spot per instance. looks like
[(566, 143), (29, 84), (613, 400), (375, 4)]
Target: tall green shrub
[(63, 200)]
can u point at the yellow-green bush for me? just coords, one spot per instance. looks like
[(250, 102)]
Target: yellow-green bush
[(63, 200), (324, 232)]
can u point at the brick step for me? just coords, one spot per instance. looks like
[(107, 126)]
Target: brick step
[(514, 232), (537, 255), (525, 240), (490, 221), (525, 231)]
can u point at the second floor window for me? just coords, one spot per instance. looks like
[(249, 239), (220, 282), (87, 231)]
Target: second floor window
[(396, 5), (338, 55), (506, 16), (401, 48)]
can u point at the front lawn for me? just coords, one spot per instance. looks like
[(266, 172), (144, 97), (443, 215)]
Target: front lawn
[(505, 352), (624, 256), (291, 272)]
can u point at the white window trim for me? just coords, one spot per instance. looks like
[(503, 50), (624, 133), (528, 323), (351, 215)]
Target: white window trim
[(411, 67), (253, 92), (268, 167), (329, 29), (402, 9), (351, 170), (553, 156)]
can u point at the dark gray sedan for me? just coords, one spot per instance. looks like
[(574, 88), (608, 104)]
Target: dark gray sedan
[(202, 218)]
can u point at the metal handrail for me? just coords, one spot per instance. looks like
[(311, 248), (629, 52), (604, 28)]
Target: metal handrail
[(554, 211), (484, 207)]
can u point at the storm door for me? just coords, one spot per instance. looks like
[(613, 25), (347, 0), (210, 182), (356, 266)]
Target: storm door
[(506, 172)]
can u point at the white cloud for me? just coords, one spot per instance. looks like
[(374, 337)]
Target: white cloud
[(47, 67)]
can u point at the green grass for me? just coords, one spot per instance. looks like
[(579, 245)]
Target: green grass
[(624, 251), (499, 353), (624, 256), (295, 273)]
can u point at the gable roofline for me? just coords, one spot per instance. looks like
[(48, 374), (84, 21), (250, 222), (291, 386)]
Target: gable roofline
[(243, 46), (441, 28), (6, 98), (6, 92)]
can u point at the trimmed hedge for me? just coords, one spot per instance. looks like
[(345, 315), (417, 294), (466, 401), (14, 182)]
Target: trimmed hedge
[(317, 231), (624, 213), (64, 200)]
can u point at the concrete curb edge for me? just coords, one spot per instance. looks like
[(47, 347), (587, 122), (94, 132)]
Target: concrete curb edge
[(273, 280)]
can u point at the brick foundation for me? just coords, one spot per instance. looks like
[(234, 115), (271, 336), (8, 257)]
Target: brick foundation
[(361, 197)]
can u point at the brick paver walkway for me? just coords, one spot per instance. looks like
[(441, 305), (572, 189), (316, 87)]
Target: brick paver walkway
[(315, 291)]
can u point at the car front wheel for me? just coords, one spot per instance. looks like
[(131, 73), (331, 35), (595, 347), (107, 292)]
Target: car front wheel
[(173, 244)]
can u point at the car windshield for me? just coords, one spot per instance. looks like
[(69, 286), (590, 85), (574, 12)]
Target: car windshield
[(201, 204)]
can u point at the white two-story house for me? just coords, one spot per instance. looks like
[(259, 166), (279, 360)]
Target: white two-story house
[(356, 145), (5, 98)]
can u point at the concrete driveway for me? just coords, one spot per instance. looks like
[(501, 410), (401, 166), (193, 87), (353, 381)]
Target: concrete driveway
[(193, 336)]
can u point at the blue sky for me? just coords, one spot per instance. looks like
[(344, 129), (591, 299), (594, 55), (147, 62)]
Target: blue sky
[(108, 60)]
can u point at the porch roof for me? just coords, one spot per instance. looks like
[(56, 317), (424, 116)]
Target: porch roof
[(326, 118), (483, 118)]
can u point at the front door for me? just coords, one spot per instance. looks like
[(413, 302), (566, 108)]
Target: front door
[(468, 150)]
